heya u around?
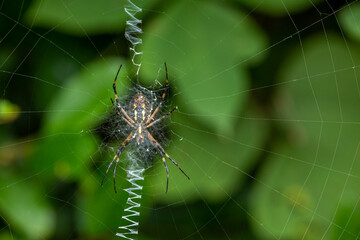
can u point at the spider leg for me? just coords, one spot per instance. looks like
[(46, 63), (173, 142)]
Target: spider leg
[(117, 161), (174, 162), (117, 157), (117, 99), (107, 170), (167, 169), (162, 97), (162, 152), (159, 119), (118, 113)]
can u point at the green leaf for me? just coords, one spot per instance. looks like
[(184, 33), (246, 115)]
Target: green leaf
[(8, 60), (207, 53), (63, 155), (8, 111), (94, 220), (53, 70), (101, 209), (216, 164), (349, 18), (279, 7), (7, 236), (82, 17), (349, 213), (307, 179), (22, 203), (81, 104)]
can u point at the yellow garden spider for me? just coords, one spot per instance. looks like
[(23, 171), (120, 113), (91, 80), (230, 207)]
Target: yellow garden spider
[(140, 120)]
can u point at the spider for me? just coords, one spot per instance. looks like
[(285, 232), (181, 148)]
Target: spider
[(143, 119)]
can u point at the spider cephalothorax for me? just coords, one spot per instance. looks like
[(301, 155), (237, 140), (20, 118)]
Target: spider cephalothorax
[(140, 119)]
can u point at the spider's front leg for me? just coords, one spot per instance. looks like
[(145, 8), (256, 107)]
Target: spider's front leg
[(161, 118), (118, 113), (117, 100), (162, 97)]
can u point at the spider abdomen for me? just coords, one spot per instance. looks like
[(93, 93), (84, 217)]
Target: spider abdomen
[(140, 108)]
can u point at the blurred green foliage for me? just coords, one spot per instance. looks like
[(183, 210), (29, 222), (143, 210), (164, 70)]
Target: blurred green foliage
[(267, 127), (9, 111)]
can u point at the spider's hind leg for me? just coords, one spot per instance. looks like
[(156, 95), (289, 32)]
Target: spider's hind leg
[(174, 162), (167, 169), (117, 157), (162, 153)]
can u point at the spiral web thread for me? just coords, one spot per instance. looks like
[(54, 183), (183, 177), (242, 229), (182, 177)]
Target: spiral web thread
[(131, 213), (135, 173), (132, 32)]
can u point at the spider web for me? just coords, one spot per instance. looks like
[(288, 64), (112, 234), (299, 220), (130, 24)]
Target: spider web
[(267, 128)]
